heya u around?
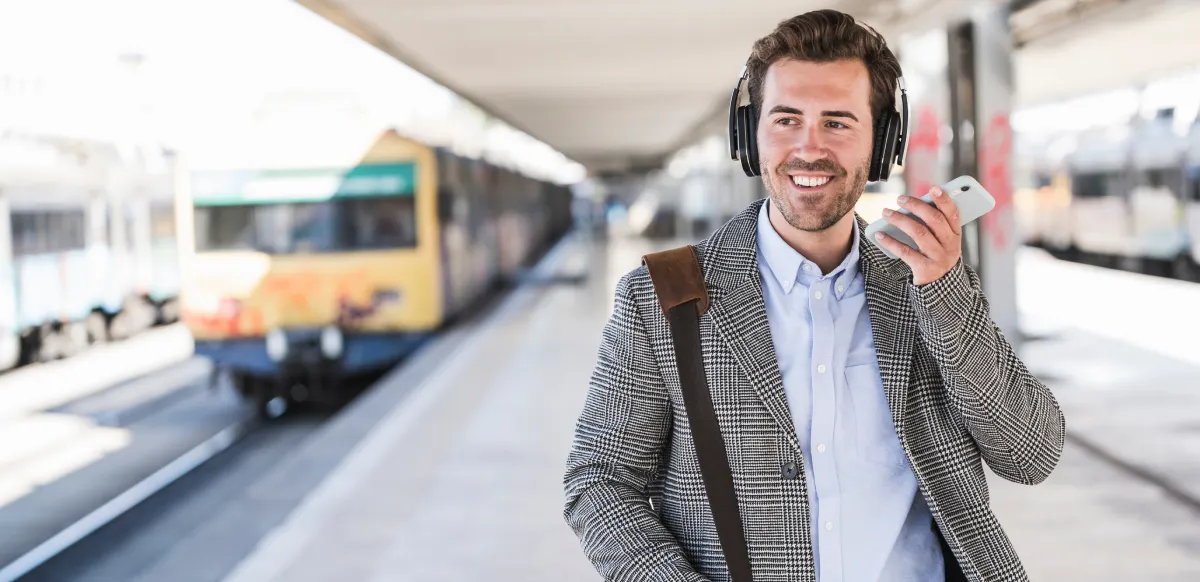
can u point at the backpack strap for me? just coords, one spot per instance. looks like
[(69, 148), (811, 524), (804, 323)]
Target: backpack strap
[(679, 285)]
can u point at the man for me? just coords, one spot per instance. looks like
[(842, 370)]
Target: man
[(857, 396)]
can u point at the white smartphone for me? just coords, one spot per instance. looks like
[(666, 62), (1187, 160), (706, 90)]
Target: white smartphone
[(971, 198)]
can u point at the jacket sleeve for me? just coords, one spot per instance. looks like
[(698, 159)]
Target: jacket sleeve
[(619, 442), (1012, 416)]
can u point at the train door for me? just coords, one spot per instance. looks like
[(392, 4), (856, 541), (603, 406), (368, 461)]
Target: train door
[(10, 347), (1192, 201), (1157, 209), (1101, 225), (165, 278), (1156, 195)]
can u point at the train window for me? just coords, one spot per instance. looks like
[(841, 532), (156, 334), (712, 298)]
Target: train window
[(224, 228), (1159, 178), (445, 205), (377, 223), (52, 231), (295, 228), (1096, 185), (346, 224)]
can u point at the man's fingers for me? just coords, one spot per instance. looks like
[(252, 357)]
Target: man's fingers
[(925, 239), (949, 212), (934, 216), (905, 252)]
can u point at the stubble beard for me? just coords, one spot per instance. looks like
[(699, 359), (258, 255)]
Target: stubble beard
[(820, 211)]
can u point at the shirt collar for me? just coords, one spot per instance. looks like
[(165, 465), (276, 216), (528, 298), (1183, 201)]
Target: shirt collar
[(787, 265)]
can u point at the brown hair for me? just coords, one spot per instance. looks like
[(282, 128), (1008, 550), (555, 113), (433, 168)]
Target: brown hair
[(825, 36)]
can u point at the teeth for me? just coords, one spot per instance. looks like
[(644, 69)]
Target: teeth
[(809, 181)]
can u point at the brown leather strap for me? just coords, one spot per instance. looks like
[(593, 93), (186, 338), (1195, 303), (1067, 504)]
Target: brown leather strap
[(677, 278), (679, 285)]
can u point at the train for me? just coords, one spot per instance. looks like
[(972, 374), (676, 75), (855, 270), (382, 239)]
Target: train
[(88, 243), (1124, 196), (302, 278)]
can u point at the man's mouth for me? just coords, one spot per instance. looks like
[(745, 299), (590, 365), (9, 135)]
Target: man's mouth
[(810, 182)]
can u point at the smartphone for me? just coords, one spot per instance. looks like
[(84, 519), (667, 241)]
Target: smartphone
[(971, 198)]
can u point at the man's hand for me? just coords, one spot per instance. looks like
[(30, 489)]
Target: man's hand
[(940, 244)]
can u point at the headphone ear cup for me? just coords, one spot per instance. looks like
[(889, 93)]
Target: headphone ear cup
[(890, 141), (746, 140), (752, 140), (878, 146)]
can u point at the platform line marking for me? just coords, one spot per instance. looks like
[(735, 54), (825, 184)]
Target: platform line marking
[(279, 548), (118, 505)]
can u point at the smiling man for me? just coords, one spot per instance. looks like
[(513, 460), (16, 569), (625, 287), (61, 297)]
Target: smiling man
[(856, 398)]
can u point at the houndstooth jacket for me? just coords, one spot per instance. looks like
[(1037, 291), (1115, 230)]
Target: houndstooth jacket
[(959, 397)]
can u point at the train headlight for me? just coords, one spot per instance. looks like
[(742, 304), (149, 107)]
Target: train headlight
[(331, 342), (277, 345)]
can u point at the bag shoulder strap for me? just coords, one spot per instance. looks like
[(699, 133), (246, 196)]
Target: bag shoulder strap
[(679, 285), (677, 278)]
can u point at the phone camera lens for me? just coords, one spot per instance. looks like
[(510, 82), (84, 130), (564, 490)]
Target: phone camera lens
[(965, 188)]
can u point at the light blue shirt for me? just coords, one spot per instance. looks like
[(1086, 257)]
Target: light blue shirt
[(869, 522)]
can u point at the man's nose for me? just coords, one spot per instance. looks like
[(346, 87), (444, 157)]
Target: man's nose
[(810, 143)]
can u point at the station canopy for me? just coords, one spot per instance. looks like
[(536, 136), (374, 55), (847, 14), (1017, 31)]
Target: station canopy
[(619, 84)]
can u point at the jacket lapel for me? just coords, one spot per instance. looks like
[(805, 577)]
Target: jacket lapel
[(729, 260), (739, 314), (893, 321)]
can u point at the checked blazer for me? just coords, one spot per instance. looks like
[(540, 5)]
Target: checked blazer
[(958, 394)]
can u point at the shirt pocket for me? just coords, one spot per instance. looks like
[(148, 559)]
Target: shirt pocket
[(874, 432)]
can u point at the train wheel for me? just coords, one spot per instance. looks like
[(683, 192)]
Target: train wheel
[(273, 407), (31, 346), (167, 312), (269, 402), (1183, 269), (53, 341), (74, 338), (97, 328)]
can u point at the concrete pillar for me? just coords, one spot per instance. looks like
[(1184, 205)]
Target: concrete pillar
[(985, 42), (960, 85)]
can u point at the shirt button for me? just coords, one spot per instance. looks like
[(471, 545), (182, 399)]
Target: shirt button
[(821, 448), (821, 368), (807, 268), (829, 526), (817, 294), (841, 288)]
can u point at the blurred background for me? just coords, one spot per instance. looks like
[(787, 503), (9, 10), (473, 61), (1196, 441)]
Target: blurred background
[(311, 290)]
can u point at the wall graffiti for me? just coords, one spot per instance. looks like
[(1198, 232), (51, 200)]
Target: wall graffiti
[(995, 156)]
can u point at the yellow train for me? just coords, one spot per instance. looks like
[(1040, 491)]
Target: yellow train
[(302, 278)]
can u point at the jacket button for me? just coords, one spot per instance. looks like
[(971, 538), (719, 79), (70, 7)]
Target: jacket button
[(790, 471)]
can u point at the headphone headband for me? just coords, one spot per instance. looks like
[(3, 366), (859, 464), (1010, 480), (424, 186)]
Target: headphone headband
[(733, 106)]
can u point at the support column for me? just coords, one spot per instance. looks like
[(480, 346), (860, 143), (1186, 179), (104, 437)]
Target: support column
[(960, 85), (991, 243)]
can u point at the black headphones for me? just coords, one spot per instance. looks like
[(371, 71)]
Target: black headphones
[(891, 134)]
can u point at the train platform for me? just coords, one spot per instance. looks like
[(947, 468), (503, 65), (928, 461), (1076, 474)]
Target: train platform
[(458, 475)]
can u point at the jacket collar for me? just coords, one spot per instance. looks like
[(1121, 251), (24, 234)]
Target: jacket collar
[(729, 261), (729, 256)]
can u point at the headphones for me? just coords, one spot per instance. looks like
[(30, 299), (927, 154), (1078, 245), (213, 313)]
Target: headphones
[(890, 140)]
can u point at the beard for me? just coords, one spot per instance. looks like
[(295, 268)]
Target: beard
[(820, 210)]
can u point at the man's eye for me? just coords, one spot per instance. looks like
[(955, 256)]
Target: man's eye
[(837, 125), (784, 121)]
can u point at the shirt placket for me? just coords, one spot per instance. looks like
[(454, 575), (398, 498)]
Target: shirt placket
[(828, 510)]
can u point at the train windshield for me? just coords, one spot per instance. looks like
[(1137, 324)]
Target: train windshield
[(307, 211), (1096, 184), (334, 226)]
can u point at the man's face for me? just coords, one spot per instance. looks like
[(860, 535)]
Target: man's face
[(814, 139)]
